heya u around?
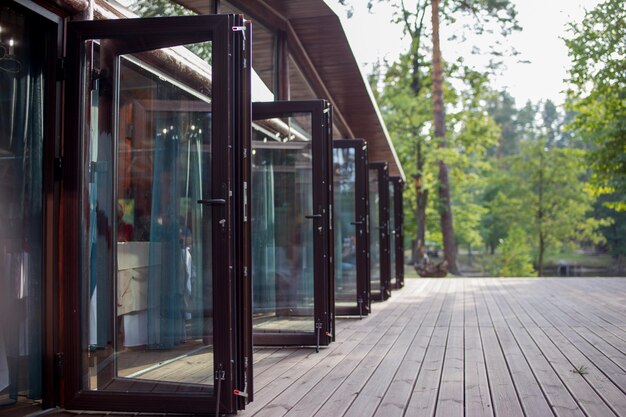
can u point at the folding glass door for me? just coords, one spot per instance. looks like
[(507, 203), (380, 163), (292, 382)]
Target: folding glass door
[(292, 274), (396, 223), (350, 208), (157, 123), (380, 270)]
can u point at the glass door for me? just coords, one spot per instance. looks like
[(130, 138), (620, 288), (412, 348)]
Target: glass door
[(396, 186), (157, 120), (350, 205), (379, 231), (292, 271)]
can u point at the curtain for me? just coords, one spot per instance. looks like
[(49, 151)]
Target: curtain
[(165, 283), (263, 237)]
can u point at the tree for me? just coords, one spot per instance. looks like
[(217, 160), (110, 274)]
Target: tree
[(597, 95), (555, 195), (486, 13), (515, 259)]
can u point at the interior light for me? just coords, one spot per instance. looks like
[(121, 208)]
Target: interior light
[(193, 127), (165, 131), (253, 151)]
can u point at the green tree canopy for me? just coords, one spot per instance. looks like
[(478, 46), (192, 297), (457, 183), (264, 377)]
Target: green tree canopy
[(597, 95)]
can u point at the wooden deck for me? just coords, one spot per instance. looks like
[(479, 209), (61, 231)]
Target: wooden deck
[(462, 347)]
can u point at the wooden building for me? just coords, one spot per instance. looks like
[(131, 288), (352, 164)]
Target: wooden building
[(130, 149)]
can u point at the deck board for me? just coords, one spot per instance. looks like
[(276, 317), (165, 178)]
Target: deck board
[(462, 347), (466, 347)]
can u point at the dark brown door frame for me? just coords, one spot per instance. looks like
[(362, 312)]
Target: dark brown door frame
[(362, 300), (382, 170), (398, 232), (135, 35), (321, 117)]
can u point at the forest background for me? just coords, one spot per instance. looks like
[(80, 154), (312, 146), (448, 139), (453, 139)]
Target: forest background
[(534, 188)]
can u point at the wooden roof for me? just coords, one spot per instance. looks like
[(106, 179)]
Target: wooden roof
[(320, 49)]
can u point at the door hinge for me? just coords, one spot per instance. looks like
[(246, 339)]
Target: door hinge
[(58, 168), (61, 68), (245, 201), (59, 363)]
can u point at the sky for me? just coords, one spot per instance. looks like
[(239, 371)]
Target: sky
[(374, 38)]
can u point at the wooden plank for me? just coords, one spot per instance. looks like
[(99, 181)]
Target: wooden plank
[(586, 397), (269, 362), (561, 401), (603, 375), (451, 389), (424, 396), (477, 394), (531, 397), (287, 400), (352, 387), (317, 396), (383, 385), (595, 301), (612, 395), (399, 390), (283, 379), (503, 394)]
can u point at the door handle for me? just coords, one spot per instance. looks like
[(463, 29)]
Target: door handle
[(313, 216), (212, 202)]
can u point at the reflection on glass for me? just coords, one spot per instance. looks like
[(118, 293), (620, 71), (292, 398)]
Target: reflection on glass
[(374, 201), (282, 237), (392, 234), (344, 163), (22, 66), (159, 335)]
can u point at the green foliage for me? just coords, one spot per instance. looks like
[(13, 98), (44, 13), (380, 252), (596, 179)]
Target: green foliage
[(158, 8), (597, 95), (554, 193), (164, 8), (515, 259)]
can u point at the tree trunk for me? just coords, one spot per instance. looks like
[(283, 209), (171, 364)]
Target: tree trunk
[(542, 248), (447, 228), (422, 202)]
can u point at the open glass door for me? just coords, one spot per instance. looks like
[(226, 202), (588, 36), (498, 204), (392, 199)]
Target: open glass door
[(379, 231), (291, 223), (350, 205), (154, 181), (396, 219)]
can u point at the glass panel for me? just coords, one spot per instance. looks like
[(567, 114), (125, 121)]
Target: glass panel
[(160, 8), (159, 335), (22, 63), (344, 162), (392, 234), (374, 201), (282, 237)]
